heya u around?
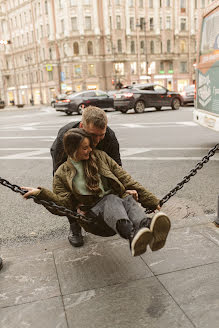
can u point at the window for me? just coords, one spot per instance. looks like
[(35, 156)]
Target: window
[(133, 68), (183, 6), (91, 70), (183, 24), (152, 47), (196, 4), (161, 47), (119, 45), (142, 47), (141, 4), (50, 53), (90, 48), (73, 2), (41, 30), (203, 3), (117, 2), (182, 46), (170, 67), (48, 30), (119, 68), (77, 70), (131, 3), (62, 26), (131, 23), (168, 46), (60, 4), (118, 22), (151, 23), (183, 67), (143, 68), (167, 3), (132, 47), (160, 3), (74, 26), (196, 23), (142, 23), (168, 22), (50, 75), (76, 48), (161, 23), (87, 2), (46, 7), (88, 23), (161, 67), (151, 4)]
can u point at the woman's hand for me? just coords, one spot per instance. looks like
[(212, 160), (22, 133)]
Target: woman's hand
[(133, 193), (30, 191), (158, 207)]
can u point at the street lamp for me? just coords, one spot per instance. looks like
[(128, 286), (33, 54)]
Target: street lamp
[(28, 59), (142, 25)]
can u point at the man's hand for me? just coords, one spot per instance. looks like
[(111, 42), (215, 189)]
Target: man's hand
[(31, 191), (133, 193)]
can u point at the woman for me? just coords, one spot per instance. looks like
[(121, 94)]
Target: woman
[(94, 184)]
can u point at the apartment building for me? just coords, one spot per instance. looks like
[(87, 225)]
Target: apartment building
[(63, 45)]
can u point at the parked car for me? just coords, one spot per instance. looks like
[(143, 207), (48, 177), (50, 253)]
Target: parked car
[(77, 101), (188, 94), (141, 96), (62, 96)]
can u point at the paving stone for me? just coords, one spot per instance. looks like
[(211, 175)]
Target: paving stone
[(141, 303), (210, 231), (41, 314), (185, 248), (97, 265), (28, 278), (196, 291)]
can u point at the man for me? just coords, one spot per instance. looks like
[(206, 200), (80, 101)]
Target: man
[(94, 122), (1, 263)]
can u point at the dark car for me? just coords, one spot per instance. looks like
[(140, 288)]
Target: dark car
[(62, 96), (141, 96), (188, 94), (77, 101)]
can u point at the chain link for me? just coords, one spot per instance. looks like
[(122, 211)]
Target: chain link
[(62, 211), (51, 206)]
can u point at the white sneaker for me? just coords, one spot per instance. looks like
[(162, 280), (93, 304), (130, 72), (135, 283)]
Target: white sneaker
[(140, 241), (160, 227)]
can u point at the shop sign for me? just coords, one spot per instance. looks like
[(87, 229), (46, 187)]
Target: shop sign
[(49, 68)]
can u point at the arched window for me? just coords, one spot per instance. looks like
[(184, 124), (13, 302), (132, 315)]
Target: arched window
[(76, 48), (182, 46), (119, 45), (50, 53), (90, 48), (168, 46), (132, 47), (142, 47), (152, 47)]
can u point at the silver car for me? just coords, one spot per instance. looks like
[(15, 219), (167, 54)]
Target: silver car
[(188, 94)]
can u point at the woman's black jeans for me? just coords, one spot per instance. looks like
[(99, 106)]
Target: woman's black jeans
[(109, 210)]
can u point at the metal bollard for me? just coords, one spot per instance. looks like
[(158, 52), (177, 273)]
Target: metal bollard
[(216, 222)]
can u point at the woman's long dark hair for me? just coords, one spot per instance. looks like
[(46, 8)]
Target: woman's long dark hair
[(72, 140)]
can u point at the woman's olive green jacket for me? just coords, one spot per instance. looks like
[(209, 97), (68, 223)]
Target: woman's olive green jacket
[(65, 194)]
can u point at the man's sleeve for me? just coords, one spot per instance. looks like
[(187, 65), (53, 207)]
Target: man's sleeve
[(57, 148), (112, 147)]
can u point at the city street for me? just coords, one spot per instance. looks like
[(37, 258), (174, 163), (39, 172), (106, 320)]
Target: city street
[(158, 148)]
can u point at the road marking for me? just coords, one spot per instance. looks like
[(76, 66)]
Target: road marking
[(126, 154)]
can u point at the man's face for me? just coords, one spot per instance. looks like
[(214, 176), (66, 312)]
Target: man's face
[(97, 134)]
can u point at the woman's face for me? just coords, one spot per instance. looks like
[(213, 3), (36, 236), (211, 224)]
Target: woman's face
[(84, 150)]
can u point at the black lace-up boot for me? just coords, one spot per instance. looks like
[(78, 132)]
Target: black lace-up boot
[(75, 237), (138, 239), (1, 263)]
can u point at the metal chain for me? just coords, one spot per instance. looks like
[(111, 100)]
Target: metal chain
[(62, 211), (186, 179), (51, 206)]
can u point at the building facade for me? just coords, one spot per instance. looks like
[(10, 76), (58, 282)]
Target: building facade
[(63, 45)]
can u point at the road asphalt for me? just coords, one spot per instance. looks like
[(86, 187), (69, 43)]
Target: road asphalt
[(101, 285)]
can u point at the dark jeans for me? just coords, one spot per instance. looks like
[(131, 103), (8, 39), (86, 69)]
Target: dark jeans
[(110, 209), (113, 208)]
